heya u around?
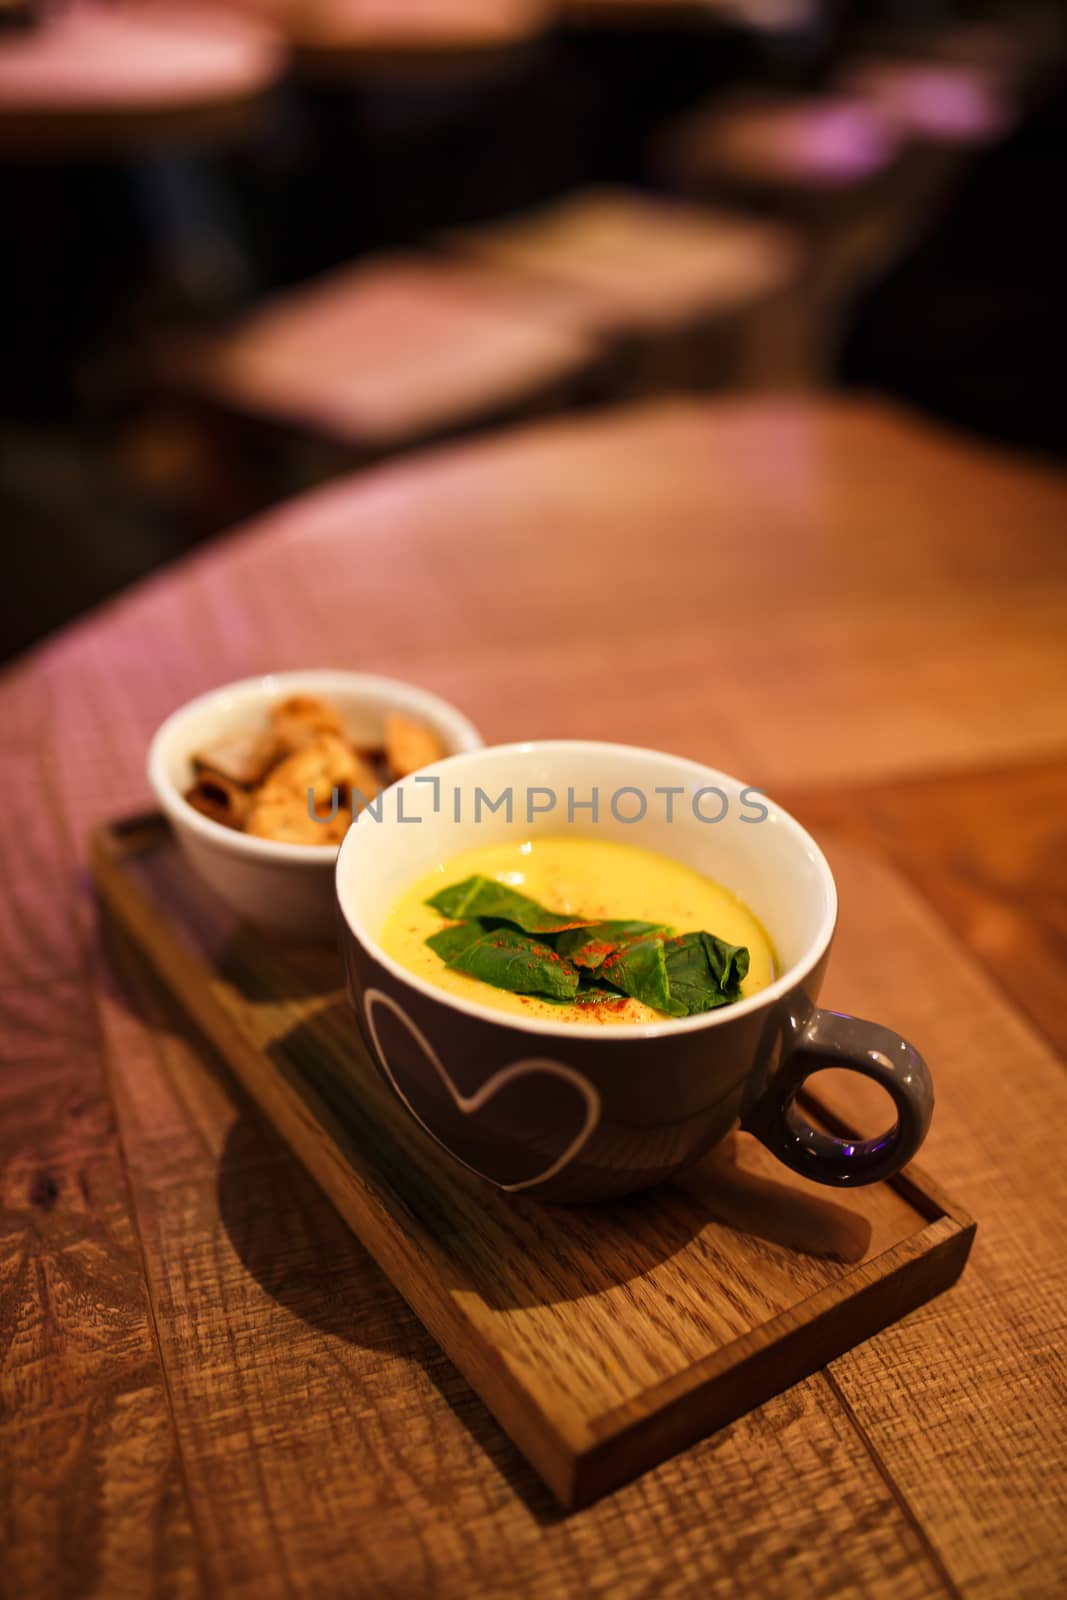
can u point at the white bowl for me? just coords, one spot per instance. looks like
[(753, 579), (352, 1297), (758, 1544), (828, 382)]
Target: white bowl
[(286, 888)]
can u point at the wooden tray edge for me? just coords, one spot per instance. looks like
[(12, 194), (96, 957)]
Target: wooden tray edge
[(750, 1371)]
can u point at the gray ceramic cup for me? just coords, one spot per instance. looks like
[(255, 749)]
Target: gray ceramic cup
[(577, 1112)]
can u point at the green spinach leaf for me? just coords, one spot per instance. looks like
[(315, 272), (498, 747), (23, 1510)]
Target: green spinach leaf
[(484, 897), (704, 972), (589, 996), (506, 939), (448, 942), (639, 970), (512, 960), (590, 946)]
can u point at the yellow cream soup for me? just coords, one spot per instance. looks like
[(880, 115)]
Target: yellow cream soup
[(592, 878)]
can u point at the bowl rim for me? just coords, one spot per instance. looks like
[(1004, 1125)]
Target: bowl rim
[(272, 685), (670, 1027)]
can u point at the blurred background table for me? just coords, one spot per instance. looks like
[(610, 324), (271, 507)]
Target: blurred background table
[(207, 1386), (679, 294), (94, 79), (390, 353), (342, 38)]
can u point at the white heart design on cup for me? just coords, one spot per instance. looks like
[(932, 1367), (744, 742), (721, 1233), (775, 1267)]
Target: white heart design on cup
[(532, 1066)]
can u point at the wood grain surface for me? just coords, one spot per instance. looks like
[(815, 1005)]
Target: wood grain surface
[(989, 849), (207, 1386)]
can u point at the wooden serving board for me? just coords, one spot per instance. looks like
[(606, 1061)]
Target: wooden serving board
[(602, 1338)]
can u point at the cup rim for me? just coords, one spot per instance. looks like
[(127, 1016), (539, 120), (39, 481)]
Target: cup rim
[(446, 718), (670, 1027)]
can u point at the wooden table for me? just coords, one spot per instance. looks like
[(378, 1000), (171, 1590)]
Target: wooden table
[(207, 1387), (392, 351), (621, 261), (363, 38), (682, 296), (95, 79)]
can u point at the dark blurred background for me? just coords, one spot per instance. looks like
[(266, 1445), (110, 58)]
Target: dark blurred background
[(250, 246)]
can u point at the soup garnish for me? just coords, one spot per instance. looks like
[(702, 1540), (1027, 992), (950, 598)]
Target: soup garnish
[(582, 925), (507, 940)]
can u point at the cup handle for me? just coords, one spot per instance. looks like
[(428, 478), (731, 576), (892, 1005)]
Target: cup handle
[(829, 1039)]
